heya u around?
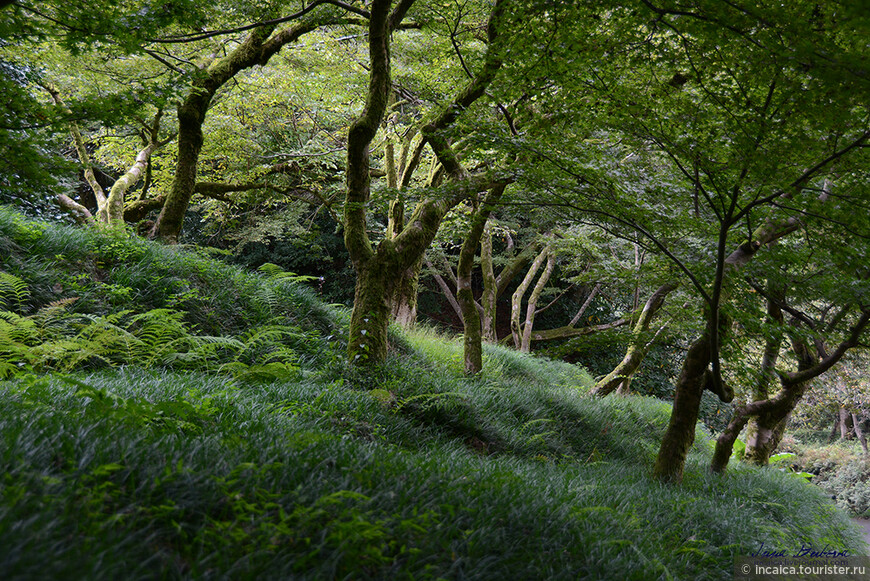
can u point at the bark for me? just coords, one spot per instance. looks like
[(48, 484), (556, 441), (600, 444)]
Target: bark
[(769, 357), (845, 432), (445, 288), (772, 416), (768, 433), (774, 412), (489, 297), (81, 214), (472, 337), (834, 428), (517, 297), (670, 462), (371, 306), (115, 201), (85, 160), (637, 349), (371, 311), (404, 302), (592, 294), (532, 304), (137, 210), (110, 209), (515, 267)]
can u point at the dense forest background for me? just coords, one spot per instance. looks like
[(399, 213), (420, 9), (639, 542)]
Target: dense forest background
[(671, 194)]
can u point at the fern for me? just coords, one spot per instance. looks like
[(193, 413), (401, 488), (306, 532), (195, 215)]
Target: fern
[(275, 272), (13, 290), (54, 339), (18, 335), (265, 344)]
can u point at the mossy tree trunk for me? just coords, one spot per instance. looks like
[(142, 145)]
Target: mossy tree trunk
[(859, 432), (488, 297), (695, 375), (493, 286), (403, 305), (761, 436), (379, 269), (110, 208), (772, 413), (680, 433), (520, 292), (532, 303), (637, 347), (471, 320)]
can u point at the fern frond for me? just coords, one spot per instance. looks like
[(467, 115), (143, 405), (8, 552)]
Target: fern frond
[(13, 290)]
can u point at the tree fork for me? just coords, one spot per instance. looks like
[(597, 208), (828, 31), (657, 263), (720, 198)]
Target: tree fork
[(636, 350)]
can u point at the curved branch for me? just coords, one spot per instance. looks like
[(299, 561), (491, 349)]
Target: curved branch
[(789, 379), (182, 38)]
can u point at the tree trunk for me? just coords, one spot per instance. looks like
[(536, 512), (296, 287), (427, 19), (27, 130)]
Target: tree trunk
[(81, 214), (769, 430), (445, 288), (517, 297), (394, 256), (680, 434), (257, 49), (859, 432), (761, 431), (370, 318), (671, 458), (845, 431), (473, 347), (191, 116), (637, 349), (835, 428), (532, 305), (772, 417), (404, 301), (489, 296), (115, 201)]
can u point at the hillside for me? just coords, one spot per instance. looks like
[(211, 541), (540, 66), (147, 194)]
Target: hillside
[(168, 416)]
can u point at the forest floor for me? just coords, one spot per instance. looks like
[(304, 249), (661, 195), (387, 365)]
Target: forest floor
[(168, 416)]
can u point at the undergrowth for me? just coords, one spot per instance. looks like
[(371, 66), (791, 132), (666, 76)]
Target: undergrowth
[(167, 416), (841, 469)]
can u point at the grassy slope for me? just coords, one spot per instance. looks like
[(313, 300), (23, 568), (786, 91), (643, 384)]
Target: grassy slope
[(409, 472)]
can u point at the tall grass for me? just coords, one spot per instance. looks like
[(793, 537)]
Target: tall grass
[(193, 476), (408, 470)]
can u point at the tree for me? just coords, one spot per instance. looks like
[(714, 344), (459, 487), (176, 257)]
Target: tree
[(711, 123), (110, 208), (262, 43), (379, 269)]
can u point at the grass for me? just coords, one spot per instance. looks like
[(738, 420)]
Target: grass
[(405, 471)]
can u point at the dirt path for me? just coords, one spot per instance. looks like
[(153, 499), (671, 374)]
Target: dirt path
[(865, 523)]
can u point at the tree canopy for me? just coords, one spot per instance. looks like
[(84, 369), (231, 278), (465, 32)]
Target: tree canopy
[(621, 156)]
